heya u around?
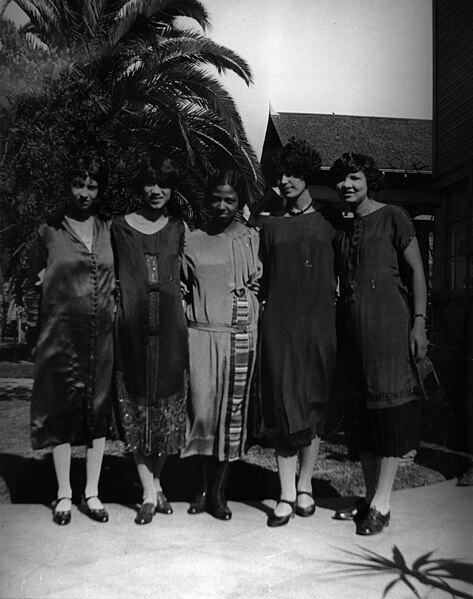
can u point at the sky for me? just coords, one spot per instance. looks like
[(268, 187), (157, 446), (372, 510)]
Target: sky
[(363, 57)]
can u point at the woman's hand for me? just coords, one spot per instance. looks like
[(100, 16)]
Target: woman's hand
[(418, 339)]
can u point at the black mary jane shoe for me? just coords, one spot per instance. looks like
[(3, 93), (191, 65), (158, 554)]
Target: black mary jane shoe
[(219, 509), (355, 511), (274, 520), (162, 504), (145, 513), (98, 515), (305, 512), (199, 504), (373, 523), (62, 517)]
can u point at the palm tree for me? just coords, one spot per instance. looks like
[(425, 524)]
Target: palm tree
[(130, 79), (161, 78)]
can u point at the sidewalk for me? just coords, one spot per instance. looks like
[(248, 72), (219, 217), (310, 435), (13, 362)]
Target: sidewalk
[(187, 557)]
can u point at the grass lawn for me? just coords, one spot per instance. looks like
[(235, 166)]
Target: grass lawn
[(28, 475)]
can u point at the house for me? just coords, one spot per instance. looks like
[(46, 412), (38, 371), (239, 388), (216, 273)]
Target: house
[(402, 149), (452, 291)]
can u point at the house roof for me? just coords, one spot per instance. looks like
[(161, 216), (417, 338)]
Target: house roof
[(395, 144)]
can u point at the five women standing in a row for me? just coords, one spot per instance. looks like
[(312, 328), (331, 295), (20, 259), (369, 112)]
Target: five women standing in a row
[(206, 351)]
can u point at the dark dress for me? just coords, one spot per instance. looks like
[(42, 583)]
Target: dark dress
[(298, 340), (376, 326), (72, 291), (151, 341)]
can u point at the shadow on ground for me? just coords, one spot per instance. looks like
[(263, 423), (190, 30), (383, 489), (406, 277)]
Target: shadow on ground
[(450, 464), (31, 480)]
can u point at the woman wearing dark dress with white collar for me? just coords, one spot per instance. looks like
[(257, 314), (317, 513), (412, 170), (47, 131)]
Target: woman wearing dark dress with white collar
[(298, 341)]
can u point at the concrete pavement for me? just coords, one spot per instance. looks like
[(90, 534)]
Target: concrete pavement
[(198, 557)]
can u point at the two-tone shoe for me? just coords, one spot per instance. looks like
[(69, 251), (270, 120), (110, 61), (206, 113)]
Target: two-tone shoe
[(373, 523), (97, 514), (61, 517), (274, 520), (306, 511)]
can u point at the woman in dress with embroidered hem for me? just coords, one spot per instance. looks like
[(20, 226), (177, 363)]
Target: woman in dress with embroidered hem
[(220, 270), (151, 343), (382, 339), (298, 341), (70, 300)]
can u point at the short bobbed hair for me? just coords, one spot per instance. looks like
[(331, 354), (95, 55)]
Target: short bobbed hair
[(227, 177), (156, 169), (88, 166), (350, 162), (299, 159)]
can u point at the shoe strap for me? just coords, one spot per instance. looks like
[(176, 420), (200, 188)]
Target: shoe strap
[(291, 503)]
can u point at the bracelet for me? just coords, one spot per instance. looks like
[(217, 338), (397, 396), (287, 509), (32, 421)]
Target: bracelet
[(420, 316)]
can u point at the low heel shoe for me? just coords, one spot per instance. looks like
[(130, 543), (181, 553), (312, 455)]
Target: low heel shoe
[(274, 520), (305, 512), (61, 517), (373, 523)]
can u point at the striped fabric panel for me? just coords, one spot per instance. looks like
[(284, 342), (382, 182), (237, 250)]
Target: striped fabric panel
[(241, 359)]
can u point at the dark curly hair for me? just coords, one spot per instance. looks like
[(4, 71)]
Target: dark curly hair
[(227, 177), (156, 169), (298, 158), (88, 166), (349, 162)]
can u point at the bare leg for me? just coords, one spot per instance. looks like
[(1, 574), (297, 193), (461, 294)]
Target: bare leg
[(287, 463), (369, 465), (144, 465), (62, 467), (158, 465), (94, 458), (387, 469), (308, 457)]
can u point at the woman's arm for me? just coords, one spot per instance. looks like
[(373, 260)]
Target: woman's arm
[(418, 337)]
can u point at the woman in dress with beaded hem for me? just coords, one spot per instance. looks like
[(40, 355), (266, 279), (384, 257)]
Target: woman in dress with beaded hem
[(151, 342), (381, 337)]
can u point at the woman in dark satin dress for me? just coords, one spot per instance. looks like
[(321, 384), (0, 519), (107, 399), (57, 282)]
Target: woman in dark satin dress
[(298, 341), (71, 304)]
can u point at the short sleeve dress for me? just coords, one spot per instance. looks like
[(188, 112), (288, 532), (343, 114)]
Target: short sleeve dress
[(298, 337), (221, 273), (151, 338), (70, 292), (376, 326)]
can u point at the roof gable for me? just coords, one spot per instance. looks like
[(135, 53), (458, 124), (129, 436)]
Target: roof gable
[(394, 143)]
